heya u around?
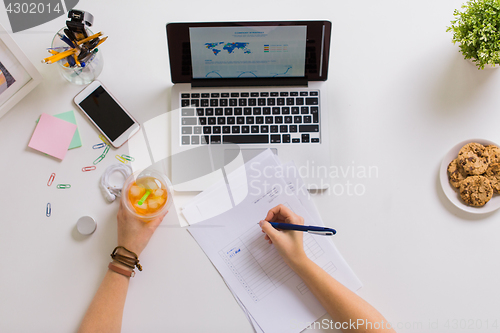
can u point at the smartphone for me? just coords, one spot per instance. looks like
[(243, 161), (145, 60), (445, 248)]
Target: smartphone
[(106, 113)]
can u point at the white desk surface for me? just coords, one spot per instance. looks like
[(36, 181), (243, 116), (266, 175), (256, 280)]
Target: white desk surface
[(400, 96)]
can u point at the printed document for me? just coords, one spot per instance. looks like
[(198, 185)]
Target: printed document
[(273, 297)]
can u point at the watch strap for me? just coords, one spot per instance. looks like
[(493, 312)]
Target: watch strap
[(120, 270)]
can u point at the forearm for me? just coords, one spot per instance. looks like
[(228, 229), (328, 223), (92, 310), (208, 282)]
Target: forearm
[(342, 304), (106, 310)]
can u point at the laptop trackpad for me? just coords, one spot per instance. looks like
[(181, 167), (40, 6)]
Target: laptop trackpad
[(247, 154)]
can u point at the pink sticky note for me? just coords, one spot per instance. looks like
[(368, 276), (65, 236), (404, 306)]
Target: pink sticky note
[(52, 136)]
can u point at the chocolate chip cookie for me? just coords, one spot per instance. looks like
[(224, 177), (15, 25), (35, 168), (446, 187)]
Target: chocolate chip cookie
[(476, 191), (493, 175), (456, 173), (474, 158), (494, 153)]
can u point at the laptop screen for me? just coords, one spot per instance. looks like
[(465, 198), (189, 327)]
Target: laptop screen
[(249, 52), (239, 52)]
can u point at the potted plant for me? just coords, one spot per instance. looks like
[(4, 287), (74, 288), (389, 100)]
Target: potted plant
[(477, 30)]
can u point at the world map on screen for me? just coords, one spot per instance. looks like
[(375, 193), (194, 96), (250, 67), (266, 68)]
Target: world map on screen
[(216, 48)]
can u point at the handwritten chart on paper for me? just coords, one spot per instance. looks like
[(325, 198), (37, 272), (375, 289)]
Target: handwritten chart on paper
[(258, 265)]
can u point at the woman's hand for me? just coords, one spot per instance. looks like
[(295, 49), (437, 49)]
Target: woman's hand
[(287, 242), (134, 234)]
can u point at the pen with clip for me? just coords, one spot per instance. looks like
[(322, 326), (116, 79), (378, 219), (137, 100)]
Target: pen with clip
[(306, 228), (66, 40)]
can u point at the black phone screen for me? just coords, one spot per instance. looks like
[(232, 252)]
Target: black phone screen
[(106, 113)]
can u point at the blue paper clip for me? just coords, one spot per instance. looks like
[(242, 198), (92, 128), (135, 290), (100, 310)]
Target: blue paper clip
[(48, 210), (99, 145)]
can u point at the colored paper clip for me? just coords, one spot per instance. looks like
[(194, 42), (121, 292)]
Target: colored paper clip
[(99, 145), (63, 186), (99, 159), (89, 168), (102, 156), (128, 158), (48, 211), (51, 179), (121, 159), (105, 151), (103, 139)]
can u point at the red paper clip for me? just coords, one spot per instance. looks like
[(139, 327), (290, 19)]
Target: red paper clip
[(89, 168), (51, 179)]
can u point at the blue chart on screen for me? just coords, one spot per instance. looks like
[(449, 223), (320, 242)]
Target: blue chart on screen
[(247, 52)]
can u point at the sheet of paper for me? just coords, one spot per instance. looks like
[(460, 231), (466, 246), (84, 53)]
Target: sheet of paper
[(217, 199), (222, 196), (52, 136), (267, 288), (252, 321)]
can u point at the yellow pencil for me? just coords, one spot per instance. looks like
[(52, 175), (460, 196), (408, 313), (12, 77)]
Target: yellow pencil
[(76, 59), (88, 39), (101, 41), (59, 56)]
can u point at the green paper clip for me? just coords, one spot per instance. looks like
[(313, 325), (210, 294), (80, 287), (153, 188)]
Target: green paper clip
[(102, 156), (128, 158), (63, 186), (105, 151), (144, 197), (99, 159)]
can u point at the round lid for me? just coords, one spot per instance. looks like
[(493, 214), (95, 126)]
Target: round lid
[(86, 225)]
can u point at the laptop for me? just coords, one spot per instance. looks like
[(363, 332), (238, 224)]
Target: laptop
[(243, 87)]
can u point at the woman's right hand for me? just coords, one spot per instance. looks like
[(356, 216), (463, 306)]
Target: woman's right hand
[(287, 242)]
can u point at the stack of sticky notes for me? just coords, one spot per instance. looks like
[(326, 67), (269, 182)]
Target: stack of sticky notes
[(54, 135)]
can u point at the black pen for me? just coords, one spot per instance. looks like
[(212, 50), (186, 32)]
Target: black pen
[(306, 228)]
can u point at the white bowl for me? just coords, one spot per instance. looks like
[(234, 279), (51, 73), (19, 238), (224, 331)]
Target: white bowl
[(452, 194)]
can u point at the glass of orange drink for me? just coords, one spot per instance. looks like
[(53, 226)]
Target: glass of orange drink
[(147, 194)]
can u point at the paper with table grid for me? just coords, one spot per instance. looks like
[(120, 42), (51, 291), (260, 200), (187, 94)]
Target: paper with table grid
[(273, 297), (258, 265)]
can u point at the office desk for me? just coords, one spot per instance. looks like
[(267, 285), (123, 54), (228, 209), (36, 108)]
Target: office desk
[(400, 96)]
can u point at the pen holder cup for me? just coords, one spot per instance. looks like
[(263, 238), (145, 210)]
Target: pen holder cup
[(154, 204), (78, 74)]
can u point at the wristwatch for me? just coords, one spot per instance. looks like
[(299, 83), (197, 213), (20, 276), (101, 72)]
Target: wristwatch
[(121, 271)]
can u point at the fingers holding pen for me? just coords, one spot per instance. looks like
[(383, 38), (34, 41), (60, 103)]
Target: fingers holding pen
[(283, 214)]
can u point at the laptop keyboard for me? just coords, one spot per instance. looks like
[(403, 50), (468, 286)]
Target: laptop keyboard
[(250, 117)]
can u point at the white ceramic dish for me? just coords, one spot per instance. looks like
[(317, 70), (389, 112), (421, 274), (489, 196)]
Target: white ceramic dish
[(452, 194)]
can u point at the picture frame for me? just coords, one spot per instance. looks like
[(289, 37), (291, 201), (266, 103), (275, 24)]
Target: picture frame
[(18, 76)]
